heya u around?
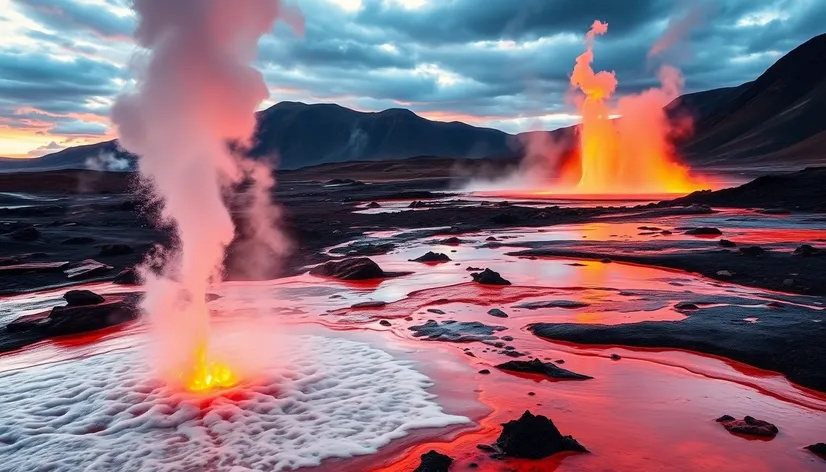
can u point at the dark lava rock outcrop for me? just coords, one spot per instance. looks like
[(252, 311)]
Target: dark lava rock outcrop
[(359, 268), (807, 250), (752, 251), (497, 313), (82, 297), (538, 367), (25, 234), (818, 449), (127, 277), (489, 277), (748, 426), (456, 331), (434, 462), (432, 257), (115, 250), (552, 304), (788, 340), (72, 319), (533, 437), (704, 231)]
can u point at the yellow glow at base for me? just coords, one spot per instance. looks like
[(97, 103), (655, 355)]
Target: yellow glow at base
[(206, 375)]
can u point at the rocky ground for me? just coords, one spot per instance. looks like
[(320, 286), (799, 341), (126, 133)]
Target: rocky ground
[(73, 228)]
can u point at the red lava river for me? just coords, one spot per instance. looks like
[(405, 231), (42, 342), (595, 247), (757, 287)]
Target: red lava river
[(650, 410)]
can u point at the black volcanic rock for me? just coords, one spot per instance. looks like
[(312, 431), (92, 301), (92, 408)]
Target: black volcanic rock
[(818, 449), (27, 234), (489, 277), (432, 257), (115, 250), (82, 297), (534, 437), (127, 277), (727, 243), (456, 331), (569, 304), (538, 367), (434, 462), (752, 251), (807, 250), (360, 268), (78, 319), (748, 426), (704, 232), (802, 190), (497, 313)]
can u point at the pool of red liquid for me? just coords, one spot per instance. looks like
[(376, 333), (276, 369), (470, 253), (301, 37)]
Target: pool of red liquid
[(651, 410)]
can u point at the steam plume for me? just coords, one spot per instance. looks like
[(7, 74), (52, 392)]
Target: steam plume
[(196, 91)]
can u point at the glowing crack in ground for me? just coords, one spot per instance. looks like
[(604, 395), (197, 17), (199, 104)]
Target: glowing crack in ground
[(102, 413)]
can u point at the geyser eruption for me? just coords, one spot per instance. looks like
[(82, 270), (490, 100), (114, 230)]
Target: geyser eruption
[(632, 154), (196, 92)]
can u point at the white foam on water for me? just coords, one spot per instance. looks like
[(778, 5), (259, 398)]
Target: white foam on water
[(327, 398)]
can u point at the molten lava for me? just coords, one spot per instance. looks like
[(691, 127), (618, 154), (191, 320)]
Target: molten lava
[(206, 374), (631, 155)]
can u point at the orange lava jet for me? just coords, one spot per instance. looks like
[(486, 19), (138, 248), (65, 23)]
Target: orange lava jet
[(206, 374), (631, 155)]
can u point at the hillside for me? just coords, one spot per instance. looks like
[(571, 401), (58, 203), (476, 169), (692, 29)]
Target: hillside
[(776, 119)]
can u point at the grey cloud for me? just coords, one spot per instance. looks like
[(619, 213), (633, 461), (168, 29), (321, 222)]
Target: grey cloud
[(63, 15), (342, 58)]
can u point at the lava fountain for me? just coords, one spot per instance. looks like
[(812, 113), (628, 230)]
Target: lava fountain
[(633, 154), (195, 92)]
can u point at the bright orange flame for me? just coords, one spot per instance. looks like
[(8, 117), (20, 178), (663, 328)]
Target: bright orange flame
[(634, 154), (206, 374)]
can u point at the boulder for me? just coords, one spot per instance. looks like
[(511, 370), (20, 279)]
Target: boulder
[(489, 277), (78, 319), (109, 250), (359, 268), (127, 277), (686, 306), (752, 251), (818, 449), (373, 205), (432, 257), (569, 304), (434, 462), (82, 297), (533, 437), (727, 243), (27, 234), (748, 426), (538, 367), (704, 231), (497, 313), (807, 250)]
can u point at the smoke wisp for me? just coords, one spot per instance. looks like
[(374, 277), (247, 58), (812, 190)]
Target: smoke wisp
[(197, 91)]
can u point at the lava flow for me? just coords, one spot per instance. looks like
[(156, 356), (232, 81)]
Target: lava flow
[(623, 146)]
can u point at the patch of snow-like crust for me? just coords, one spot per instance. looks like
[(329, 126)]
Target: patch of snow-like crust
[(326, 398)]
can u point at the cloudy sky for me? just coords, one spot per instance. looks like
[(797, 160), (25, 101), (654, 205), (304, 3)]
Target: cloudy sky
[(496, 63)]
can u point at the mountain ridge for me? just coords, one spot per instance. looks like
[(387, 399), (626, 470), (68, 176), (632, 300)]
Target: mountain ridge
[(774, 120)]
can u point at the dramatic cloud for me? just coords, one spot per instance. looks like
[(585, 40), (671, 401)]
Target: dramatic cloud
[(497, 63)]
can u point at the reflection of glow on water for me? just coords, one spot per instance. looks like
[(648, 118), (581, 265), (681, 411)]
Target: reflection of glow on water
[(644, 395)]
